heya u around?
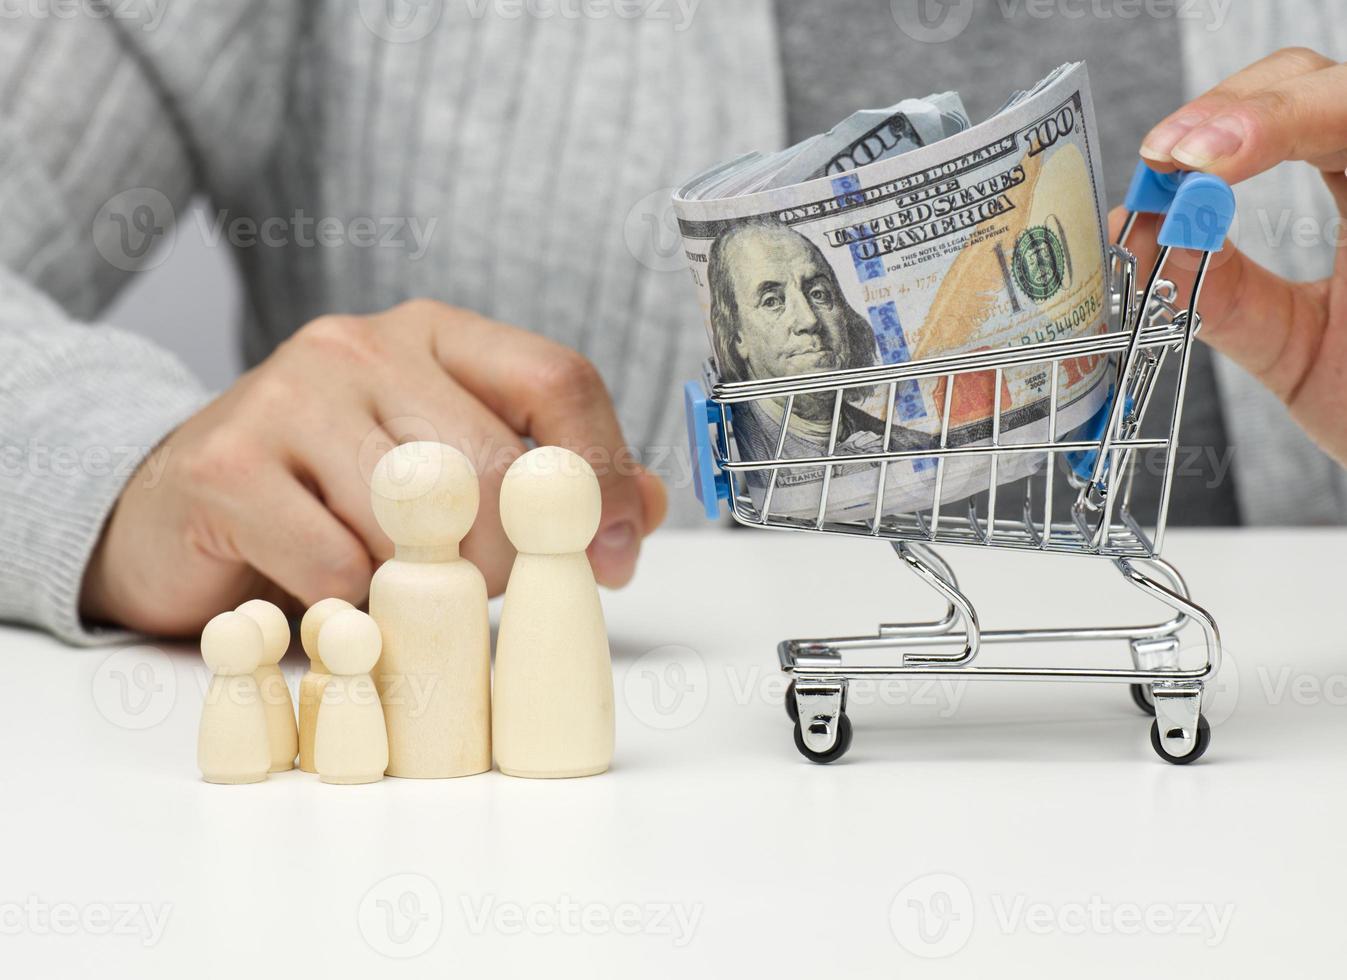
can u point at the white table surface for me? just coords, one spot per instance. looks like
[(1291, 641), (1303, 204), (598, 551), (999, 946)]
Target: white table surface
[(1031, 824)]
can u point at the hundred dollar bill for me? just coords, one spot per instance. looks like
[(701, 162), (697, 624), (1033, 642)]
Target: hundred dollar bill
[(872, 135), (987, 238), (862, 138)]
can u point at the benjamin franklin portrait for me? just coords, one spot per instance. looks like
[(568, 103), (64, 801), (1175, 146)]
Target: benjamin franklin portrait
[(777, 310)]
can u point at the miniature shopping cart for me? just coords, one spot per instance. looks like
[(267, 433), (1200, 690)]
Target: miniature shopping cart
[(1091, 470)]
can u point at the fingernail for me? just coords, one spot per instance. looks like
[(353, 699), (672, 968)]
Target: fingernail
[(613, 554), (1222, 137), (619, 539), (1160, 140)]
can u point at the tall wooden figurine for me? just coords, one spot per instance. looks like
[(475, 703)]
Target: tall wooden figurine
[(553, 700), (430, 604), (311, 684), (232, 744), (281, 732), (351, 744)]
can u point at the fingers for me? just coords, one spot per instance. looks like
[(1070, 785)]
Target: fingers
[(655, 497), (289, 536), (1277, 67), (540, 388), (1290, 106), (1275, 330), (330, 463), (1269, 326), (1303, 119), (553, 395), (452, 415)]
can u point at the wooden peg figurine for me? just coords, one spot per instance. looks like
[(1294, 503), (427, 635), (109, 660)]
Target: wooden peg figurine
[(553, 700), (232, 743), (311, 685), (351, 743), (281, 732), (430, 604)]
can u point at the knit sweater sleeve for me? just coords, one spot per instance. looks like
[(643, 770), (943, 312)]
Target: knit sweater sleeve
[(93, 168)]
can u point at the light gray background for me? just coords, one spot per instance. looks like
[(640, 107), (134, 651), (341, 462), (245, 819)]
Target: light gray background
[(190, 304)]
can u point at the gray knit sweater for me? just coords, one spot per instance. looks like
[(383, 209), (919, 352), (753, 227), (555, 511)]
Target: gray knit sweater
[(513, 164)]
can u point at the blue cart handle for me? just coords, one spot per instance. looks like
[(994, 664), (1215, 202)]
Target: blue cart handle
[(711, 485), (1151, 191), (1200, 216), (1198, 208)]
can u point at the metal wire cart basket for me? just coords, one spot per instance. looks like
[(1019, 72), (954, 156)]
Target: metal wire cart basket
[(1091, 471)]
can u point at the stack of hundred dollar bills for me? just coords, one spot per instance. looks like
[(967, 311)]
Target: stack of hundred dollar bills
[(900, 234)]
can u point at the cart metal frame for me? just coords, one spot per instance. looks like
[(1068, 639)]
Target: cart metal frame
[(1147, 327)]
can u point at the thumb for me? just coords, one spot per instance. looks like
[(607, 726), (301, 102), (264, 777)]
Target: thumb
[(1267, 325), (633, 506)]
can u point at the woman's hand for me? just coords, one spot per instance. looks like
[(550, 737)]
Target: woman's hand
[(265, 491), (1292, 336)]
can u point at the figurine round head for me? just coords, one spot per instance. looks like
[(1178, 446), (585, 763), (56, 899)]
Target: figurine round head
[(232, 643), (314, 619), (350, 642), (424, 494), (550, 502), (274, 626)]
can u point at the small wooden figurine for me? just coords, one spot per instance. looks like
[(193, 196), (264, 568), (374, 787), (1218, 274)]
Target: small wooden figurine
[(232, 743), (430, 604), (553, 700), (351, 743), (275, 694), (311, 684)]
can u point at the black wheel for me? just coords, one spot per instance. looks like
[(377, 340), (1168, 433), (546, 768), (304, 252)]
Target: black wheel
[(839, 748), (1203, 740), (1141, 697), (792, 709)]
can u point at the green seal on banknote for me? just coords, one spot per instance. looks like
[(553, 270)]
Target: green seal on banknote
[(1039, 262)]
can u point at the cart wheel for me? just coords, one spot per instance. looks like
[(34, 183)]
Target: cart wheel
[(1141, 697), (792, 709), (839, 748), (1203, 740)]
